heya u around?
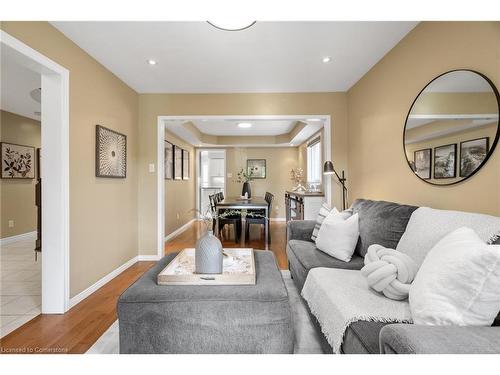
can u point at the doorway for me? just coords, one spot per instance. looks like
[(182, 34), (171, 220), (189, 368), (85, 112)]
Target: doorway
[(211, 176), (54, 168)]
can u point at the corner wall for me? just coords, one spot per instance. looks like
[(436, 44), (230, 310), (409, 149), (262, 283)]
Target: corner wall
[(379, 102), (103, 211)]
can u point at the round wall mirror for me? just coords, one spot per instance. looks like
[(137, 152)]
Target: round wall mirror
[(452, 127)]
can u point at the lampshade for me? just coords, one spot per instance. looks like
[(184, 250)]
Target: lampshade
[(328, 168)]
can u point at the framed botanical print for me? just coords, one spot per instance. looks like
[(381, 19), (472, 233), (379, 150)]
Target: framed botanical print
[(445, 161), (257, 167), (18, 161), (169, 160), (110, 153), (472, 154), (177, 163), (185, 165), (422, 161)]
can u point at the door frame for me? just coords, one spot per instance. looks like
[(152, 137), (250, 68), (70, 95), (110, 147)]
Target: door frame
[(55, 172), (198, 155), (162, 123)]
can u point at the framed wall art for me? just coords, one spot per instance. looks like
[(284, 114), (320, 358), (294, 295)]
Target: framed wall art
[(18, 161), (445, 161), (169, 160), (185, 165), (111, 153), (258, 166), (472, 154), (422, 160), (177, 163)]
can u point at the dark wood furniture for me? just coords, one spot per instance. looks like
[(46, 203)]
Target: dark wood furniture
[(303, 206), (220, 222), (261, 217)]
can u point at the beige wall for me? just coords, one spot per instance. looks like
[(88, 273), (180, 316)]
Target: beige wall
[(180, 195), (18, 195), (103, 212), (153, 105), (279, 163), (379, 102)]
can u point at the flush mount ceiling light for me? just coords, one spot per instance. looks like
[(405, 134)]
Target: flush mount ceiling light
[(232, 25), (327, 59), (244, 125), (152, 62)]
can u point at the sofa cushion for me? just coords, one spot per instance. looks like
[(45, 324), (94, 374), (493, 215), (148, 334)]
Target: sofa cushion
[(362, 337), (310, 257), (381, 223)]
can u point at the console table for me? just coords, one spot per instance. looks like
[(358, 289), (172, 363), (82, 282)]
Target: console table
[(303, 206)]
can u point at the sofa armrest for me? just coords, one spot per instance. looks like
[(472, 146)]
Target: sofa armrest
[(420, 339), (300, 230)]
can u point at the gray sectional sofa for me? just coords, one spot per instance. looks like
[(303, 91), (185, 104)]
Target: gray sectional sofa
[(382, 223)]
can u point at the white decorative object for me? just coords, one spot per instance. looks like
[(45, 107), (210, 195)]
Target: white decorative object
[(297, 176), (208, 254), (338, 236), (427, 226), (389, 271), (458, 282), (238, 269)]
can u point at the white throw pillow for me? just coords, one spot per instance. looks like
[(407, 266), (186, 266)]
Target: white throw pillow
[(458, 282), (338, 236), (324, 211)]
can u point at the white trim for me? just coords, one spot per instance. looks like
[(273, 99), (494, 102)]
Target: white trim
[(178, 231), (278, 219), (101, 282), (55, 192), (148, 258), (20, 237), (457, 116), (160, 175)]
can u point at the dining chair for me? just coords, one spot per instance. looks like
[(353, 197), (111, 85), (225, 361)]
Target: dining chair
[(261, 219), (234, 220)]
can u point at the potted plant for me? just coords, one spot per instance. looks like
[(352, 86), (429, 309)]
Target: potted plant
[(245, 177)]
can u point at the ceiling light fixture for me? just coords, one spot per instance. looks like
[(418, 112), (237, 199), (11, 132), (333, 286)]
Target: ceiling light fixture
[(232, 25), (244, 125), (327, 59), (152, 62)]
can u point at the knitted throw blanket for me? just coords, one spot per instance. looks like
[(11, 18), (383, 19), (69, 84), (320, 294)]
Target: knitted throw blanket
[(340, 297)]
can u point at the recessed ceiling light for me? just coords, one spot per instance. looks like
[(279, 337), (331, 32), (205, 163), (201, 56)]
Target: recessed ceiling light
[(152, 62), (327, 59), (244, 125)]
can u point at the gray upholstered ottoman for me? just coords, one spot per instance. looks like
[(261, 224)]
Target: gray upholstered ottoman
[(207, 319)]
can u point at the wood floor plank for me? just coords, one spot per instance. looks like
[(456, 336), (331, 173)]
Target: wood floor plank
[(78, 329)]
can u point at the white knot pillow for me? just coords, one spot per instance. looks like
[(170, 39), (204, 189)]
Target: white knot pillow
[(389, 271)]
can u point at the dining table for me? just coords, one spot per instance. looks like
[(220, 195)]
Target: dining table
[(242, 204)]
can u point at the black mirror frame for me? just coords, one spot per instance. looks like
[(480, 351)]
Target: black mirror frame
[(493, 144)]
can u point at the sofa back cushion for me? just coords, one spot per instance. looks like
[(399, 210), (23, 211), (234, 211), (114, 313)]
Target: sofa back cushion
[(381, 223), (428, 226)]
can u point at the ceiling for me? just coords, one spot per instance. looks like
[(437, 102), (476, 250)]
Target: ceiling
[(195, 57), (16, 83), (230, 127), (461, 81)]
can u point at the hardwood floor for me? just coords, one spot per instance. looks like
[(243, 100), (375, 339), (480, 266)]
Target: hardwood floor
[(78, 329)]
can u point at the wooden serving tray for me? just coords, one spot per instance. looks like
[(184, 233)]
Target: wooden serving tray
[(238, 269)]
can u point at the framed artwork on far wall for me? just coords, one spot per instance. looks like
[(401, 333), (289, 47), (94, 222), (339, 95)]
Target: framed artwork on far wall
[(169, 160), (258, 166), (185, 165), (110, 153), (18, 161), (422, 160), (472, 154), (445, 161), (177, 163)]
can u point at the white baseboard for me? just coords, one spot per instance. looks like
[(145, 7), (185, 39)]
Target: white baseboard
[(19, 237), (148, 258), (91, 289), (278, 219), (178, 231)]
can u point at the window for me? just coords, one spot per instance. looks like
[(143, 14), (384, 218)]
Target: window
[(314, 161)]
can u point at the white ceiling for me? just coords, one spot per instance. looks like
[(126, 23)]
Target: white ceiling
[(461, 81), (194, 57), (230, 127), (16, 83)]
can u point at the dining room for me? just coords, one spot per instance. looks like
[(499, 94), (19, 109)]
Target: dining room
[(230, 175)]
